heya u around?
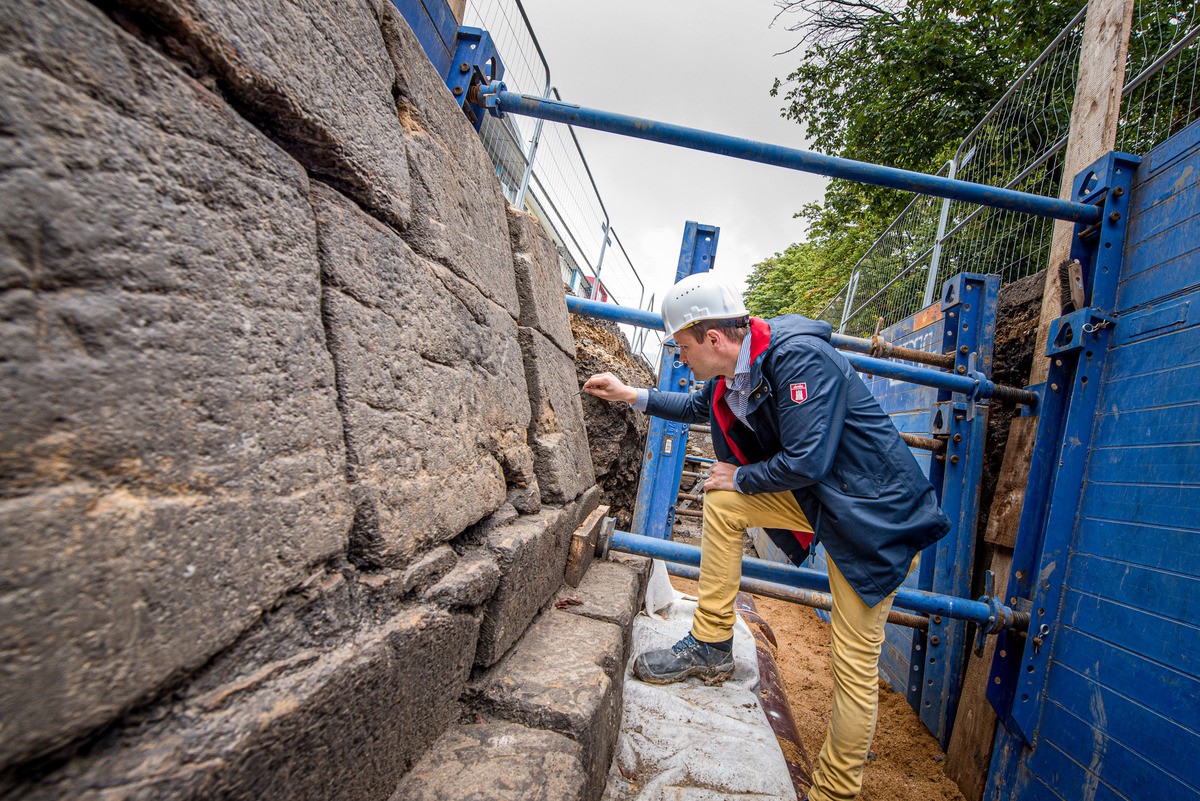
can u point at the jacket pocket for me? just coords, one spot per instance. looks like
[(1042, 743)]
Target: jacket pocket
[(852, 483)]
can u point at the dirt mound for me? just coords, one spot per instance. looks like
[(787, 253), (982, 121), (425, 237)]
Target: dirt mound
[(616, 433)]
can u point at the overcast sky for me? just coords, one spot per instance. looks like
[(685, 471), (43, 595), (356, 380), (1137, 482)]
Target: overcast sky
[(701, 63)]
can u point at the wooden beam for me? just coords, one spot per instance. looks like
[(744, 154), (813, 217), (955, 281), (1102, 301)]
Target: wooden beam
[(582, 548), (970, 751), (1005, 513), (1093, 133)]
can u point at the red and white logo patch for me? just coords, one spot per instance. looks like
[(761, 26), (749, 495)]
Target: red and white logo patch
[(799, 393)]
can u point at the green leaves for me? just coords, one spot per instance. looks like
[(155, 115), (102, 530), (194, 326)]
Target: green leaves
[(895, 83)]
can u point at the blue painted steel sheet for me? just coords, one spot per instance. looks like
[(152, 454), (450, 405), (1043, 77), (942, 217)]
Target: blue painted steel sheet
[(1120, 717), (435, 27)]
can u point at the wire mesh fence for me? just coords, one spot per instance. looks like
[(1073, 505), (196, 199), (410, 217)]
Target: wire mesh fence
[(1020, 144), (543, 169), (1160, 94)]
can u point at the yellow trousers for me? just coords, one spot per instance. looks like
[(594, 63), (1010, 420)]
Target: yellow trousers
[(857, 630)]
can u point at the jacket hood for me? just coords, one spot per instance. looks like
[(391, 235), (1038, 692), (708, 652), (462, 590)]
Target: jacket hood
[(793, 325)]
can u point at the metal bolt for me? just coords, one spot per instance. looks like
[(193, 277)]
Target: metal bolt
[(683, 382), (1054, 387), (954, 459), (962, 369), (937, 618), (964, 350), (1114, 217), (958, 437), (458, 91), (1120, 190), (464, 67), (935, 640)]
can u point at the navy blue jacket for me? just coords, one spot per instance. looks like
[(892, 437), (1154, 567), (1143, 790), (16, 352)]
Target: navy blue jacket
[(819, 432)]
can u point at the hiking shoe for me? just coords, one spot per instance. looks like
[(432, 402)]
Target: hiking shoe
[(688, 657)]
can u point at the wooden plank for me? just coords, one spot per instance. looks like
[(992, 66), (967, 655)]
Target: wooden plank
[(970, 751), (1005, 514), (1094, 115), (582, 548)]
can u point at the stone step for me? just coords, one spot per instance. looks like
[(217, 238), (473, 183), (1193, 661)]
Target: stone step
[(566, 675), (496, 761)]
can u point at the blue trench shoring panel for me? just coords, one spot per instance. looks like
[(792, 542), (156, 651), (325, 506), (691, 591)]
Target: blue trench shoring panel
[(666, 441), (1099, 701)]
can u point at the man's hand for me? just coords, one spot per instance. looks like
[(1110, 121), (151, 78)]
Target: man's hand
[(607, 386), (720, 477)]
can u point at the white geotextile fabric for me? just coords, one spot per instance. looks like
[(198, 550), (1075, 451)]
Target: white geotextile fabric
[(687, 741)]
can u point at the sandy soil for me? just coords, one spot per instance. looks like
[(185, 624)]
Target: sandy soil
[(907, 764)]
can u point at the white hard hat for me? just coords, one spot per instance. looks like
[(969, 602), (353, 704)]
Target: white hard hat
[(698, 297)]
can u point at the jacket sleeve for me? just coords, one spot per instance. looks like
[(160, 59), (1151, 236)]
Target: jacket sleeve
[(682, 407), (810, 430)]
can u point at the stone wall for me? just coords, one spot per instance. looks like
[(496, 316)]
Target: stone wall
[(279, 465)]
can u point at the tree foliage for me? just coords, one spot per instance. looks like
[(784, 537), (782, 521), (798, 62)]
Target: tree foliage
[(891, 82)]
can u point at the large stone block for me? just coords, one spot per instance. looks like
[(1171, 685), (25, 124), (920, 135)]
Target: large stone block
[(171, 454), (458, 215), (431, 386), (531, 553), (539, 280), (565, 675), (556, 433), (336, 695), (608, 591), (496, 761), (314, 74)]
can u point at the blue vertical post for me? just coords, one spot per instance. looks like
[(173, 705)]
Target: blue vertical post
[(969, 304), (1078, 348), (666, 442)]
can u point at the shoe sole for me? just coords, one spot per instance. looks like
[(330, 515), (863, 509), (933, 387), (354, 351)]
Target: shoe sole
[(709, 680)]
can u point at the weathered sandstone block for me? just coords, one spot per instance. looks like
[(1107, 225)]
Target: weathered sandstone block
[(556, 432), (335, 695), (496, 762), (171, 453), (564, 675), (431, 385), (313, 74), (539, 280), (531, 552), (458, 217)]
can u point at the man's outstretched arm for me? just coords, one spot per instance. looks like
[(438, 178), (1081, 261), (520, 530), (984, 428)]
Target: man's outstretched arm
[(682, 407)]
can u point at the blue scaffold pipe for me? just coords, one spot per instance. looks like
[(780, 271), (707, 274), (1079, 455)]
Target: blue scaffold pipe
[(617, 314), (507, 102), (920, 601)]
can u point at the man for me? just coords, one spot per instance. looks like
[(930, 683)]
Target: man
[(805, 451)]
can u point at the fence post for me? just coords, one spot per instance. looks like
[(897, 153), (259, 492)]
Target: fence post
[(1094, 115), (533, 149), (851, 288), (599, 262), (935, 260)]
